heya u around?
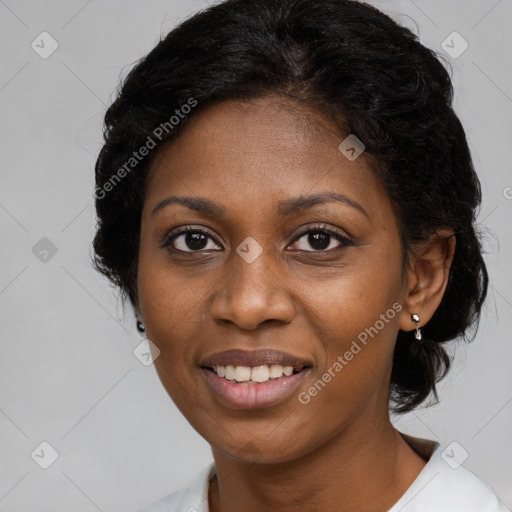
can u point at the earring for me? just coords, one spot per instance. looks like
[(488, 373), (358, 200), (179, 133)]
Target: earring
[(140, 326), (416, 320)]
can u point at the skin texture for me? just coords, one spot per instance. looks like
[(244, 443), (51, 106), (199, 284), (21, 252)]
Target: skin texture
[(339, 450)]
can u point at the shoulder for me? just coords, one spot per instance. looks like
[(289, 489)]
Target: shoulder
[(190, 499), (460, 489), (445, 486)]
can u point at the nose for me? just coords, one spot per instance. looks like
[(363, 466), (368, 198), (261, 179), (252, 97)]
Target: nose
[(252, 293)]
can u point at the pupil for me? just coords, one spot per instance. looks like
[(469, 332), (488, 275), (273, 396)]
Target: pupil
[(193, 240), (319, 240)]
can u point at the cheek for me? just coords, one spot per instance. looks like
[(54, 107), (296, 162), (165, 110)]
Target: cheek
[(347, 302), (170, 315), (356, 320), (169, 310)]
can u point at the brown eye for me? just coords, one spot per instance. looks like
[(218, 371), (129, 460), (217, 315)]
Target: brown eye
[(321, 239), (191, 240)]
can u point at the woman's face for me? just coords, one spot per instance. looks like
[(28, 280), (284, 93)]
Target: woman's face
[(292, 287)]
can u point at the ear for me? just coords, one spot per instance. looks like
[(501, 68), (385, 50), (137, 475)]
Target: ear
[(427, 277)]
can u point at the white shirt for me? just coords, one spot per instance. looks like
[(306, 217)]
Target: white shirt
[(439, 487)]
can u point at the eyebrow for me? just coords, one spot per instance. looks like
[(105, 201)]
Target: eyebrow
[(285, 207), (301, 203)]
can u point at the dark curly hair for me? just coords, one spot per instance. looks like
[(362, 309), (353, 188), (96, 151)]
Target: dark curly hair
[(363, 71)]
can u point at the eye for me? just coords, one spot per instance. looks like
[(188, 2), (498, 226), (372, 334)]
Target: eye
[(321, 239), (190, 239)]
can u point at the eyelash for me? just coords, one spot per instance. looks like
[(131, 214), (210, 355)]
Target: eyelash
[(346, 241)]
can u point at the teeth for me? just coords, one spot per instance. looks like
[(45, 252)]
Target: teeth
[(276, 370), (287, 370), (229, 372), (259, 373), (242, 373), (253, 374)]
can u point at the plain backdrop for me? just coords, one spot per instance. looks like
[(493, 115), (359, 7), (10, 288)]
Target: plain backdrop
[(68, 374)]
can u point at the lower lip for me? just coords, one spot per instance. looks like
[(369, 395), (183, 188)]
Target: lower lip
[(253, 396)]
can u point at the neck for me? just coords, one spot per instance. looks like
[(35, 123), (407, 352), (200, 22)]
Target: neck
[(365, 467)]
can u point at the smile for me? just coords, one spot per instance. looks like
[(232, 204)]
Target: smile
[(253, 375), (247, 393)]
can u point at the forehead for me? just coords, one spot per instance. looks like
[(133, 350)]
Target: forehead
[(257, 150)]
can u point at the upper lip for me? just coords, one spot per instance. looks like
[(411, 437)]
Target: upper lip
[(239, 357)]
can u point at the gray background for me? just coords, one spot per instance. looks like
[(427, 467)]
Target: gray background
[(67, 369)]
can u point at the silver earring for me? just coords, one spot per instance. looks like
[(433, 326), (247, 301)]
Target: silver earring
[(140, 326), (416, 320)]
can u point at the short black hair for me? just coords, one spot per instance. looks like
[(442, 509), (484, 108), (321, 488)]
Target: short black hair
[(370, 76)]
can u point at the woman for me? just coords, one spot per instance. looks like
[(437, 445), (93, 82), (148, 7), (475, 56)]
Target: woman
[(287, 199)]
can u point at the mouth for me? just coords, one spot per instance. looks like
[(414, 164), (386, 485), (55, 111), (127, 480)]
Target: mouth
[(243, 379), (251, 394)]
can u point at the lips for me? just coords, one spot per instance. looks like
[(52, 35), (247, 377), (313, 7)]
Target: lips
[(269, 357), (238, 363)]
